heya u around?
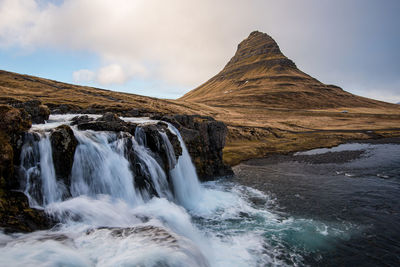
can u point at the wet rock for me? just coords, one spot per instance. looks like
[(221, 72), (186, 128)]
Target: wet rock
[(109, 117), (6, 162), (15, 213), (205, 140), (157, 145), (149, 232), (17, 216), (39, 113), (142, 176), (63, 144), (108, 122), (81, 119), (13, 123)]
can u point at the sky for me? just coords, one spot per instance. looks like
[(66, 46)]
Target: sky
[(166, 48)]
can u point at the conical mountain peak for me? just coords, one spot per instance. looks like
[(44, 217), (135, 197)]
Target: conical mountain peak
[(259, 47), (259, 74)]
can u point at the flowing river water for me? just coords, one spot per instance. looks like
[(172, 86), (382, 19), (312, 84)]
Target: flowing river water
[(279, 213)]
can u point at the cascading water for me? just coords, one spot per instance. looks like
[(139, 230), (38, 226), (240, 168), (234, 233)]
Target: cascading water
[(120, 208)]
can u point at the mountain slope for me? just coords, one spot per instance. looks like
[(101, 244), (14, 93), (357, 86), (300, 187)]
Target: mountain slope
[(19, 87), (259, 74)]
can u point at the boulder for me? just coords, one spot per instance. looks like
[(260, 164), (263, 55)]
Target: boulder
[(17, 216), (205, 139), (81, 119), (63, 144), (39, 113)]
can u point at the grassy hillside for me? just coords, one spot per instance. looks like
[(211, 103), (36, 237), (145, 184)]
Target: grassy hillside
[(259, 74)]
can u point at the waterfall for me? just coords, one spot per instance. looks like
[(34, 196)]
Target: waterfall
[(131, 200), (186, 184), (37, 167), (118, 165), (99, 169)]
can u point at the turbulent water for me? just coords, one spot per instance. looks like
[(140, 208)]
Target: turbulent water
[(352, 191), (108, 221)]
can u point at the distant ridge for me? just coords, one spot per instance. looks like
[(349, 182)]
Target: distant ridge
[(260, 74)]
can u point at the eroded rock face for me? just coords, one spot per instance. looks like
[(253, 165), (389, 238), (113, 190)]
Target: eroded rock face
[(205, 139), (15, 213), (13, 122), (17, 216), (63, 144), (38, 112)]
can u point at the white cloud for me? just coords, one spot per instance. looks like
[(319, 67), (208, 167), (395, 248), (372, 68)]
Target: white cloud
[(181, 42), (185, 42), (83, 76), (112, 74)]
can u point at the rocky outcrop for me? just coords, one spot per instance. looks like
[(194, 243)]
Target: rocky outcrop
[(108, 122), (63, 144), (15, 213), (17, 216), (38, 112), (98, 109), (13, 122), (157, 145), (81, 119), (205, 140)]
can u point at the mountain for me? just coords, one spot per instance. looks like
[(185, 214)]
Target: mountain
[(268, 104), (260, 74)]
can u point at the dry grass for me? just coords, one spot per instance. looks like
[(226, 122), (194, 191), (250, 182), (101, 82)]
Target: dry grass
[(254, 130)]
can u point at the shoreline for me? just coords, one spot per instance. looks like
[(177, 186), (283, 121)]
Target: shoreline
[(238, 151), (335, 157)]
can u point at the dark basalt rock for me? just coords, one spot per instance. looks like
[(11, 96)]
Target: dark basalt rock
[(17, 216), (63, 108), (81, 119), (158, 146), (13, 123), (38, 112), (108, 122), (205, 140), (109, 116), (63, 144)]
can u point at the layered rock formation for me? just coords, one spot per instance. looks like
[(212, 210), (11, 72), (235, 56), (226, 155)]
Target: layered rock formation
[(205, 139), (15, 213), (38, 113), (260, 75)]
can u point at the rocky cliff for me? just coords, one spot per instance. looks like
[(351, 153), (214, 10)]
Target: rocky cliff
[(205, 139), (15, 213)]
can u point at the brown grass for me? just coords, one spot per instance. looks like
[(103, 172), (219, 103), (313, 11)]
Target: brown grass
[(254, 130)]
